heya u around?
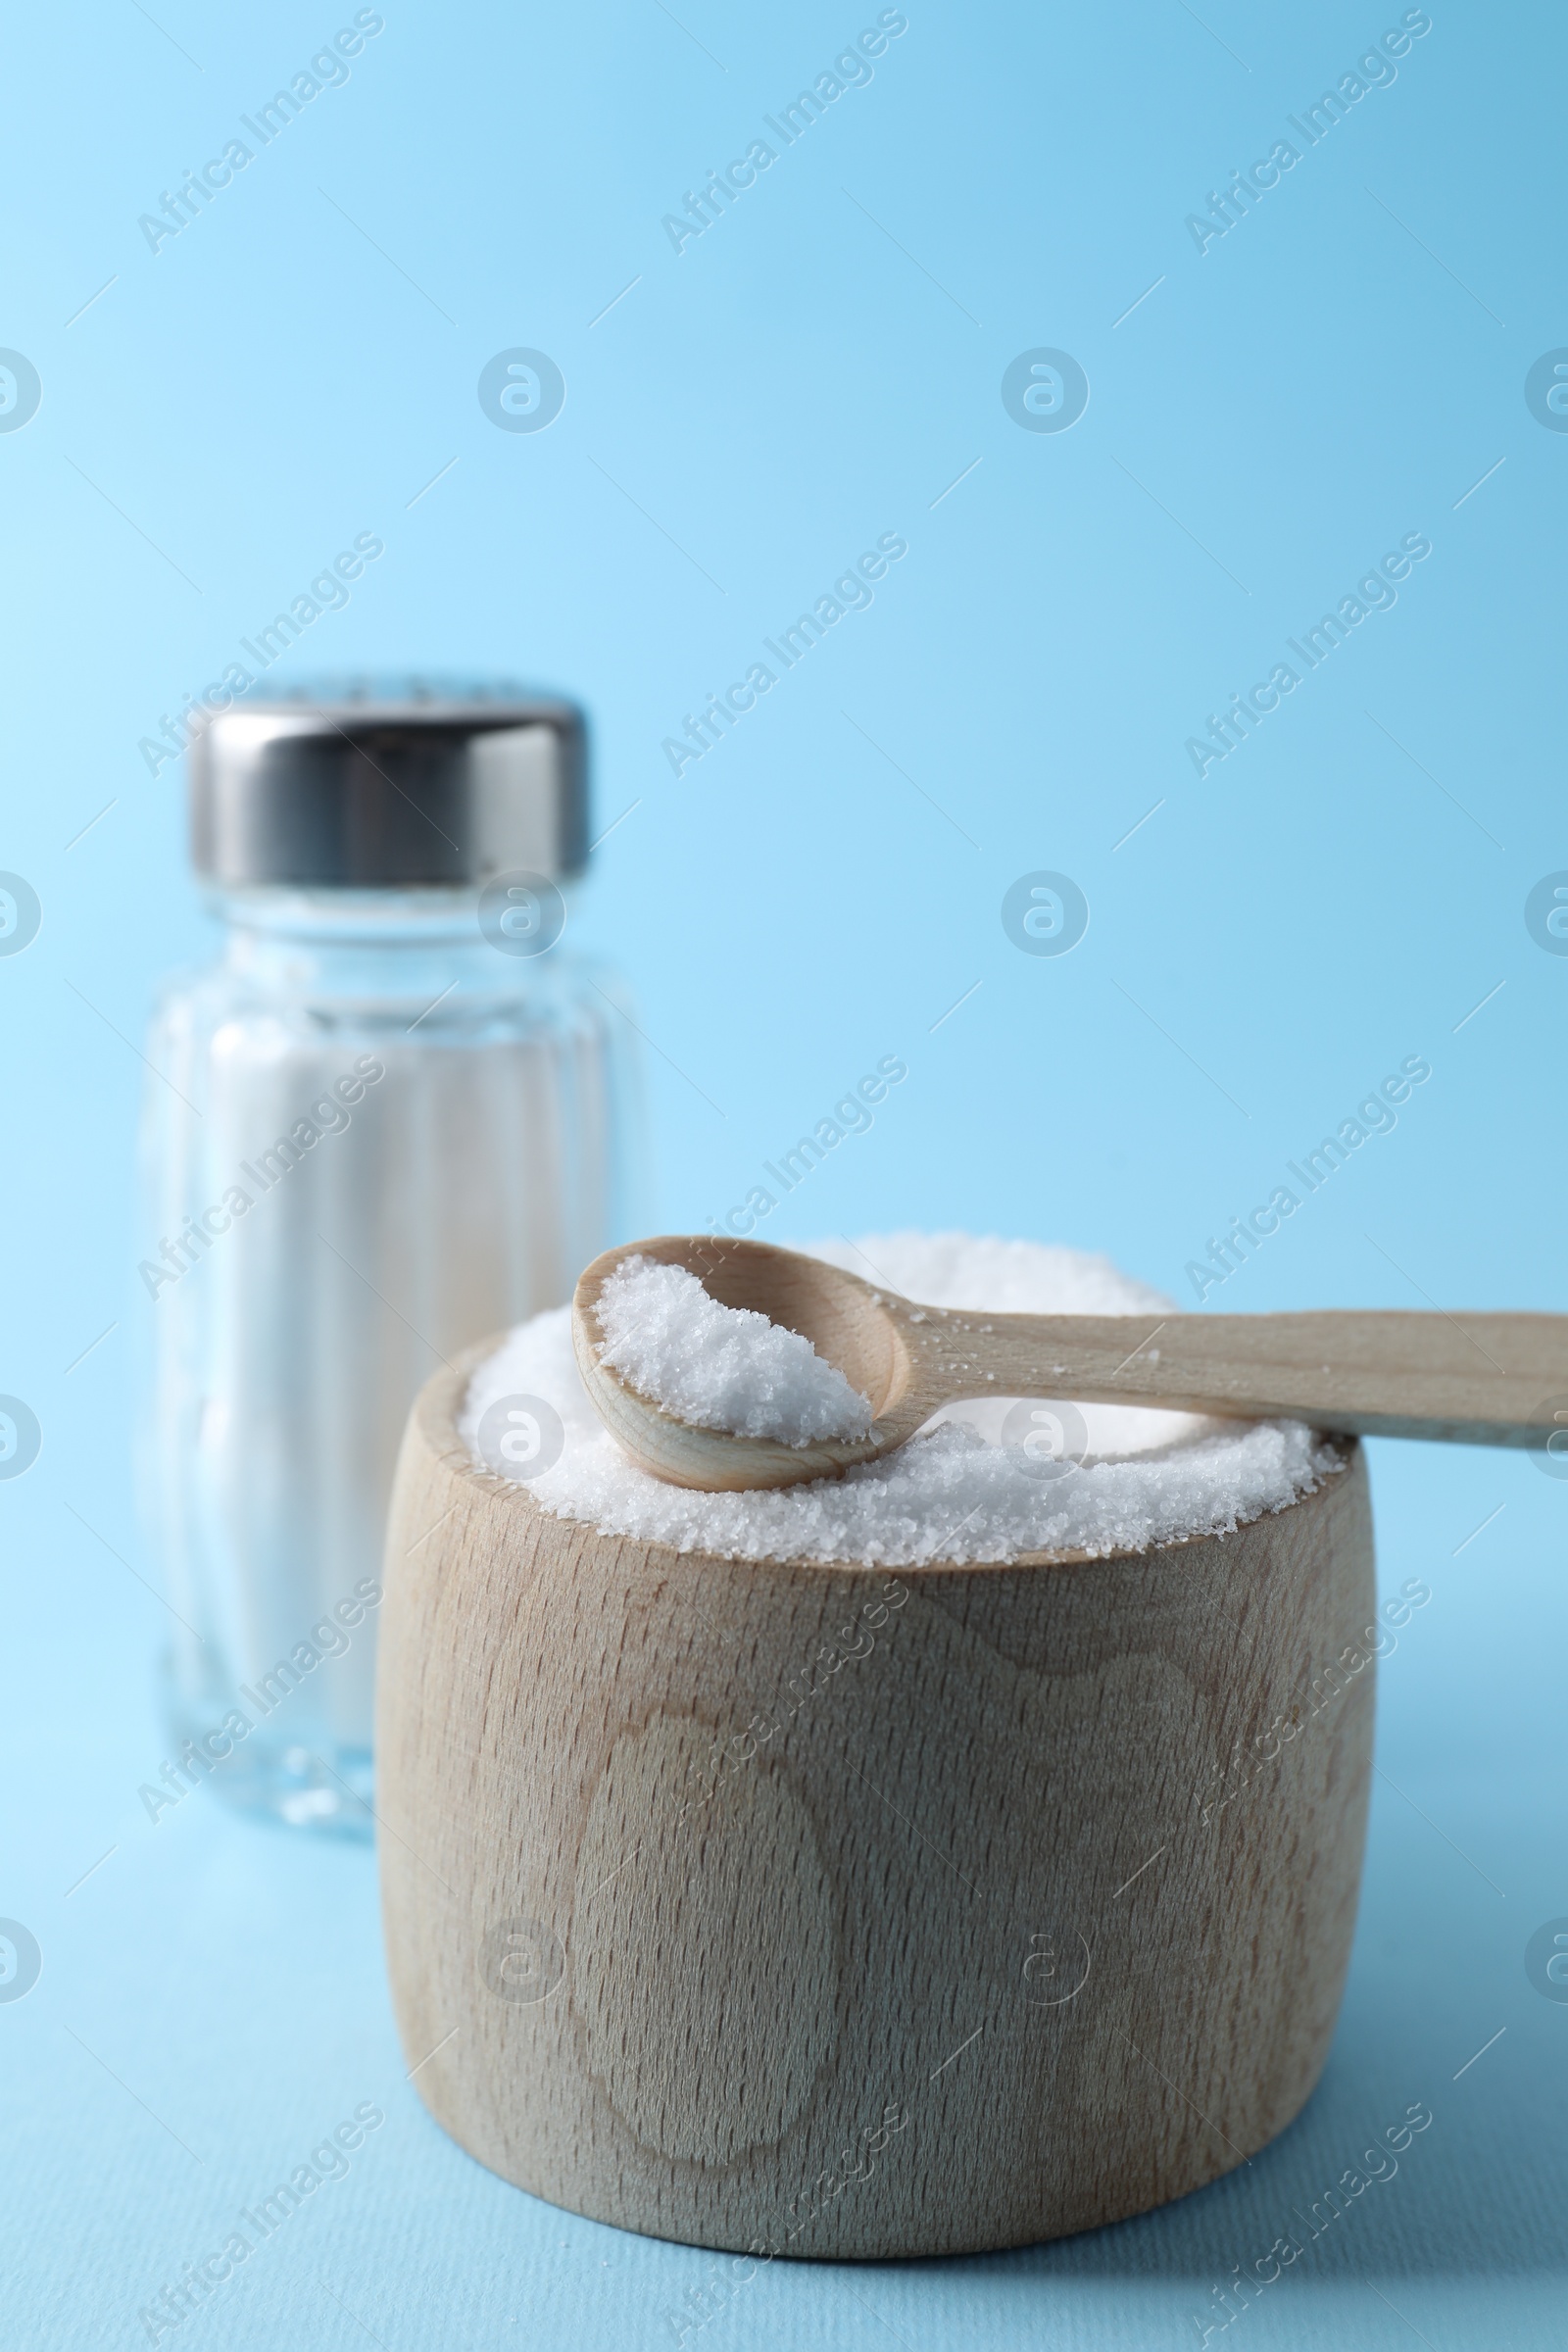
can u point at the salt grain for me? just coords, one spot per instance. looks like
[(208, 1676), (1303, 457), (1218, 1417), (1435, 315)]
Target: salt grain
[(721, 1367), (956, 1491)]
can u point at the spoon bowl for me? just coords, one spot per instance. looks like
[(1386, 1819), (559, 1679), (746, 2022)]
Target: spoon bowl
[(861, 1330)]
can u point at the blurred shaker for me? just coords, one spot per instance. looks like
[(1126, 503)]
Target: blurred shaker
[(394, 1116)]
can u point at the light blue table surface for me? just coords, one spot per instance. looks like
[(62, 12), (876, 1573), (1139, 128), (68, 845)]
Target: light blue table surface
[(212, 2003), (1269, 411)]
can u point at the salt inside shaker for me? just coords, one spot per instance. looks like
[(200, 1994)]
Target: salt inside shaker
[(396, 1113)]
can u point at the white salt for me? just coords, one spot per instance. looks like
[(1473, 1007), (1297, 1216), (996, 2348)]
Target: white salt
[(956, 1491), (721, 1367)]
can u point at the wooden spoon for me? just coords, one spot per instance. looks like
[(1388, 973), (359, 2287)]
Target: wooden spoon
[(1361, 1374)]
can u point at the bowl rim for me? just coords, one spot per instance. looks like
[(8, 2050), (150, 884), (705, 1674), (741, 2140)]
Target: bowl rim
[(435, 1412)]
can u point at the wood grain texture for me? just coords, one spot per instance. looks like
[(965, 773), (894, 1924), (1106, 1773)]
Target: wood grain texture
[(1019, 1899), (1471, 1378)]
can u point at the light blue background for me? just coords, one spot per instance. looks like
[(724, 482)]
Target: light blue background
[(815, 370)]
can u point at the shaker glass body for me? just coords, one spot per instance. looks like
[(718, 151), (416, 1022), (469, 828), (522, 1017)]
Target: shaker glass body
[(370, 1140)]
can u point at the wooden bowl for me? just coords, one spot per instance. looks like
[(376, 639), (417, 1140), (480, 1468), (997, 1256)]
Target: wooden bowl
[(850, 1912)]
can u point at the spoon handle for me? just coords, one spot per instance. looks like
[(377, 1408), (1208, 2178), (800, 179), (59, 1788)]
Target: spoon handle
[(1476, 1380)]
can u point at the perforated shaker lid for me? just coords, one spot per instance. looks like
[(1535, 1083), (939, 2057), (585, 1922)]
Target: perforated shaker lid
[(367, 784)]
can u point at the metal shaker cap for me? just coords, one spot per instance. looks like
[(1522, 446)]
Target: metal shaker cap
[(365, 786)]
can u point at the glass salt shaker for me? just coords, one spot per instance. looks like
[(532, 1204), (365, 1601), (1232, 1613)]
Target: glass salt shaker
[(397, 1113)]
